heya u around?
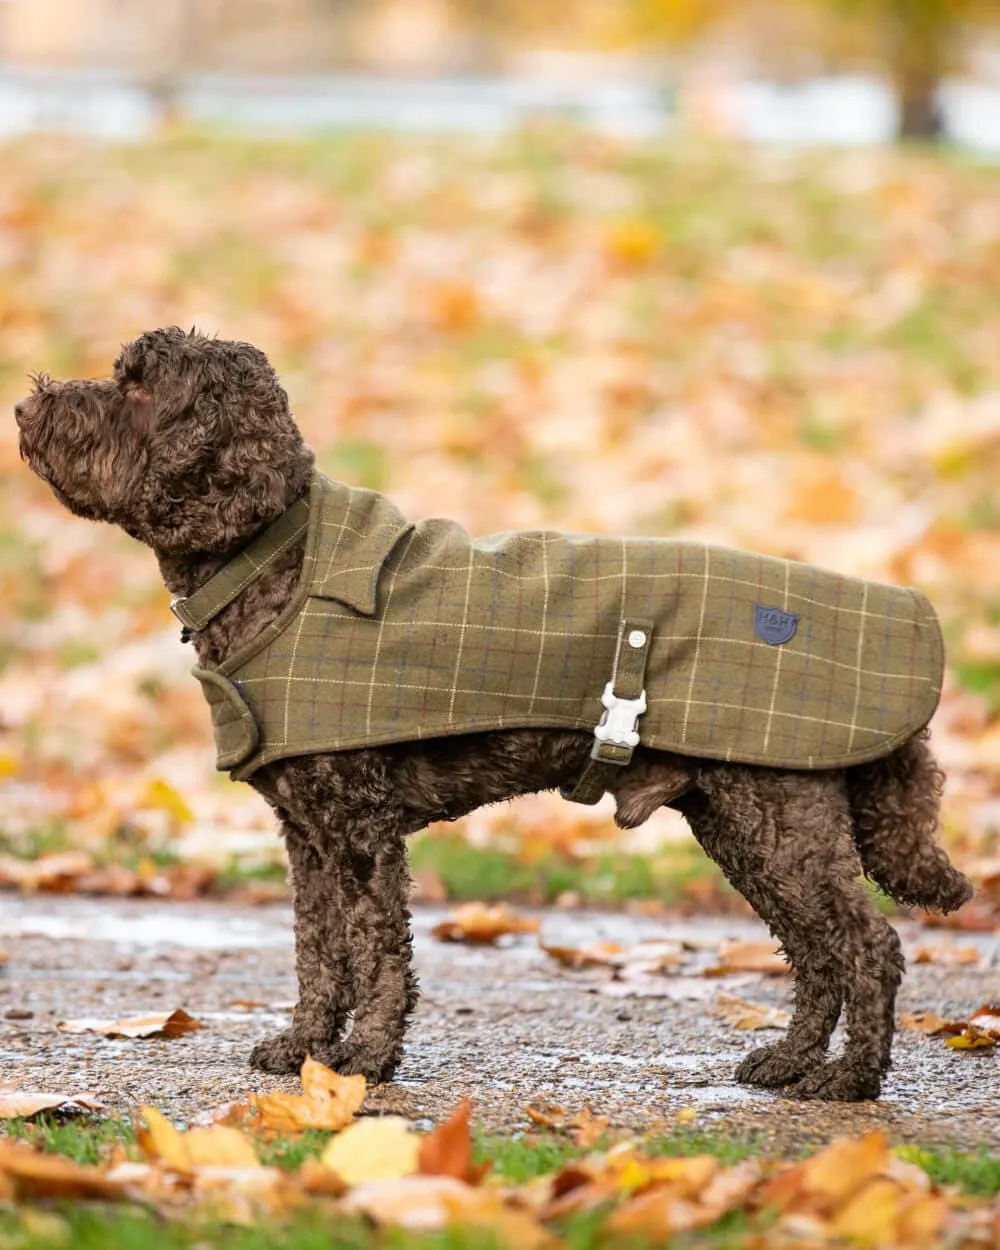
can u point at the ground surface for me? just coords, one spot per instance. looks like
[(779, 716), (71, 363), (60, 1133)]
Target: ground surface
[(506, 1026)]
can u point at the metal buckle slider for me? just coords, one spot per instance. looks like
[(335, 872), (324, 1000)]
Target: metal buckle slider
[(178, 602), (616, 735)]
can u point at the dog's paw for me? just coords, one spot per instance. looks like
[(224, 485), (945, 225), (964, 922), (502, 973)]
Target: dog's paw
[(770, 1067), (285, 1053), (838, 1081), (348, 1060)]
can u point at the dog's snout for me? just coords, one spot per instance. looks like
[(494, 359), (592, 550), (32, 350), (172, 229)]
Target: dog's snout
[(20, 410)]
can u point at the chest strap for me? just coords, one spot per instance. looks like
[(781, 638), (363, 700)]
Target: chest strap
[(195, 611), (616, 735)]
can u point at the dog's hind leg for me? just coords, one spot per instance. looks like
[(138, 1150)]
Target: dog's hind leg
[(324, 978), (784, 840)]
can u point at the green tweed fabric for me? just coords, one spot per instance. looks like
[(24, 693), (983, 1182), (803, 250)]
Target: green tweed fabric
[(402, 631)]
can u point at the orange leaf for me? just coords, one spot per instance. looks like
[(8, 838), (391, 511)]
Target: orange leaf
[(328, 1101), (31, 1174), (447, 1151), (749, 957), (481, 924)]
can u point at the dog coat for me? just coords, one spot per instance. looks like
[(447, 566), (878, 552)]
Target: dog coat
[(398, 632)]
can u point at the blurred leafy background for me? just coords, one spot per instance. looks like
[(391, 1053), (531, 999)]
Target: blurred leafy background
[(793, 350)]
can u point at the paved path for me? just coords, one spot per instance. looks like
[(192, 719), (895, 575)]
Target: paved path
[(507, 1026)]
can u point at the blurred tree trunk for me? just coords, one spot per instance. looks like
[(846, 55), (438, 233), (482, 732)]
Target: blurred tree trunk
[(921, 37)]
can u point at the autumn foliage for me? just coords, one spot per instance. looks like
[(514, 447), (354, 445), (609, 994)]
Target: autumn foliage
[(792, 354)]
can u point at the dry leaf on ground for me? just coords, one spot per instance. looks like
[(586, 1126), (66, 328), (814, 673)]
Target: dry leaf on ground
[(947, 955), (217, 1146), (762, 957), (163, 1024), (600, 955), (583, 1127), (378, 1148), (26, 1173), (447, 1151), (26, 1104), (744, 1015), (481, 923), (328, 1101)]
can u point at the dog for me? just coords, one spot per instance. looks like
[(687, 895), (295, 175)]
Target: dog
[(191, 448)]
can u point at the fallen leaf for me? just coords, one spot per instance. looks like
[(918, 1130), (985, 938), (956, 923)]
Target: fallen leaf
[(601, 955), (972, 1038), (54, 873), (26, 1104), (447, 1150), (480, 923), (216, 1146), (165, 1024), (31, 1174), (846, 1164), (923, 1022), (379, 1148), (744, 1015), (947, 955), (328, 1101), (762, 957), (871, 1216)]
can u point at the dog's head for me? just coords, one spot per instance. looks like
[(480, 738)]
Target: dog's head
[(191, 446)]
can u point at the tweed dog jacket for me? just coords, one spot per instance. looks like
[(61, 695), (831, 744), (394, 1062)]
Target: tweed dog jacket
[(400, 631)]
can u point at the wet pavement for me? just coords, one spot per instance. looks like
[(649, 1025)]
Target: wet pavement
[(507, 1026)]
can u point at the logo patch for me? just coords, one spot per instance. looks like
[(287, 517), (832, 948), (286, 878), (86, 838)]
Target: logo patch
[(773, 625)]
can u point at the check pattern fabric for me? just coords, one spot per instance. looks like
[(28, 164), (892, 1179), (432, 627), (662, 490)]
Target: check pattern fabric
[(401, 631)]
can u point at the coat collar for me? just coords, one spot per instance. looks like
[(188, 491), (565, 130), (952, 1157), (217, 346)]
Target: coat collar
[(355, 531), (350, 535)]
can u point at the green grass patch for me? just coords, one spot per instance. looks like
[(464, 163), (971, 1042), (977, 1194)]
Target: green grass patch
[(976, 1173), (476, 872)]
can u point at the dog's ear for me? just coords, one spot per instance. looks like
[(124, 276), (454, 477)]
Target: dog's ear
[(127, 460)]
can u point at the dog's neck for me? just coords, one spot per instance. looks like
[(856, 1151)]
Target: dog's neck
[(238, 623)]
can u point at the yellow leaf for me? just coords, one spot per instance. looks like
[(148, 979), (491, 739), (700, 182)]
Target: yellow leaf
[(870, 1217), (161, 796), (972, 1038), (328, 1101), (632, 242), (372, 1149), (846, 1164), (217, 1146)]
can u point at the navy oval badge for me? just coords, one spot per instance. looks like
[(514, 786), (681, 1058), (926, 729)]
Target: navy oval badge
[(773, 625)]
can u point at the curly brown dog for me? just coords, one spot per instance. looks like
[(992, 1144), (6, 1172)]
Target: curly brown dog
[(191, 448)]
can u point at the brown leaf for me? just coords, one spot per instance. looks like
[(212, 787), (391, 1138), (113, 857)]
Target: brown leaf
[(923, 1022), (947, 955), (31, 1174), (743, 1015), (447, 1150), (164, 1024), (54, 873), (482, 924), (26, 1104), (762, 957), (601, 955), (328, 1101)]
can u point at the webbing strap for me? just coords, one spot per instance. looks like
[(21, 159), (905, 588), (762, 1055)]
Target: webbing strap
[(195, 612), (628, 681)]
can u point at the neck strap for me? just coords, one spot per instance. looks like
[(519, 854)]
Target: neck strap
[(196, 610)]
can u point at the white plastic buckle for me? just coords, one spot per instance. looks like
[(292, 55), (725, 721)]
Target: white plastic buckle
[(618, 724)]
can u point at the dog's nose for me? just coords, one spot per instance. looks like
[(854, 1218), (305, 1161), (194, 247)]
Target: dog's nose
[(21, 410)]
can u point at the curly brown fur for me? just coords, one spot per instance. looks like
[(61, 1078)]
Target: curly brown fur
[(191, 448)]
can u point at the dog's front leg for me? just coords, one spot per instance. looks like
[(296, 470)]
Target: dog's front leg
[(325, 985)]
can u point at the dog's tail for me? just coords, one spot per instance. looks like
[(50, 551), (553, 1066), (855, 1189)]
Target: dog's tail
[(895, 803)]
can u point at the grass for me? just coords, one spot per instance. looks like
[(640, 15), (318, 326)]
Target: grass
[(675, 875), (515, 1160)]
